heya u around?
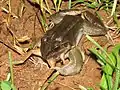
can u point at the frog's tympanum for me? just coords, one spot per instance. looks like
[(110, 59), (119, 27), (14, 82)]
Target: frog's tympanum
[(61, 41)]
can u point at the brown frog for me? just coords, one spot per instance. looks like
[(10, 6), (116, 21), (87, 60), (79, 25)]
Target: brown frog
[(92, 26), (58, 42)]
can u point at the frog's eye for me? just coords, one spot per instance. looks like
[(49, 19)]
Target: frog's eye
[(66, 44), (44, 39)]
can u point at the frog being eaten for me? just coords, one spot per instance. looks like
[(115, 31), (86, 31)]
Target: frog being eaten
[(65, 35)]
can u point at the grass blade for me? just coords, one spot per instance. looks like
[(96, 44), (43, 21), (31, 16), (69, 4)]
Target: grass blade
[(51, 79), (116, 53)]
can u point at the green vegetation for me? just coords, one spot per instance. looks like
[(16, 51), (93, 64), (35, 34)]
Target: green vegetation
[(109, 61), (8, 84), (110, 64)]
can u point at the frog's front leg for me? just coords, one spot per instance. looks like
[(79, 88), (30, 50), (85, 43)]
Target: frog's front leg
[(35, 52), (76, 58)]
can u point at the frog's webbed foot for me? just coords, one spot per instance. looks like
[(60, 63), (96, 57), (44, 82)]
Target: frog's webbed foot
[(26, 56), (38, 62), (34, 56), (62, 57)]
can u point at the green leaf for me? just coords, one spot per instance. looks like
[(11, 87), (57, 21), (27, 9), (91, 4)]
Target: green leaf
[(90, 89), (103, 83), (93, 5), (116, 53), (99, 56), (6, 85), (80, 1)]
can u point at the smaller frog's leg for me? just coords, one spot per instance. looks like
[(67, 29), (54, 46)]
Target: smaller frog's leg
[(75, 64), (38, 62), (27, 55), (35, 52), (63, 56)]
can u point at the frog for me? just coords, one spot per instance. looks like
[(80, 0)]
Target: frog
[(60, 39), (58, 16), (95, 25), (58, 42)]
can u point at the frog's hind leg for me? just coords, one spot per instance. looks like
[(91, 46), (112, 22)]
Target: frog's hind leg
[(64, 55), (28, 55), (38, 62)]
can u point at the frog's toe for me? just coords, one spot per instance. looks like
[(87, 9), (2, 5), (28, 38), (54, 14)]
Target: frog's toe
[(38, 62), (52, 62)]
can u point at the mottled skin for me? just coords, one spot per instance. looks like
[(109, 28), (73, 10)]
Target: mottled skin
[(66, 34), (92, 24)]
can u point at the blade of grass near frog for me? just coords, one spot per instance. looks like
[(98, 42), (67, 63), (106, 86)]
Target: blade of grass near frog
[(110, 65)]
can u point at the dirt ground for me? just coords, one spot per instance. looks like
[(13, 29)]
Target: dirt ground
[(29, 76)]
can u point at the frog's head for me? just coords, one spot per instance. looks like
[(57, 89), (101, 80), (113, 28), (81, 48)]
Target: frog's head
[(53, 48)]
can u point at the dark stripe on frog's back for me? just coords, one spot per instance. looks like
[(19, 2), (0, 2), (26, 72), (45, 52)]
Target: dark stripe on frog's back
[(74, 32), (63, 28)]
